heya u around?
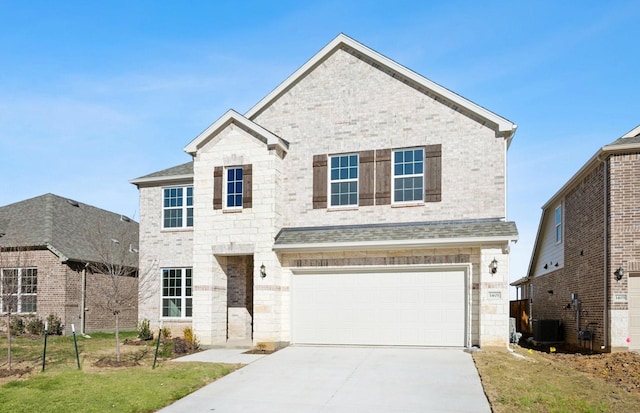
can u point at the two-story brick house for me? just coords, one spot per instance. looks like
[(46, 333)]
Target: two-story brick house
[(357, 203), (585, 265)]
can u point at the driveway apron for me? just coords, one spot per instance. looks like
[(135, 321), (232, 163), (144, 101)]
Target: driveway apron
[(346, 379)]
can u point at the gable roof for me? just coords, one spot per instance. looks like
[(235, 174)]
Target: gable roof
[(503, 126), (70, 229), (250, 127), (401, 235), (629, 142), (183, 172)]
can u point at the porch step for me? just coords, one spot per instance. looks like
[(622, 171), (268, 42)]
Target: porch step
[(248, 344)]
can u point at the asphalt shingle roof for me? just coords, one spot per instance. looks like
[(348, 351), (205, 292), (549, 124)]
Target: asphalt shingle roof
[(76, 231), (448, 230), (180, 170)]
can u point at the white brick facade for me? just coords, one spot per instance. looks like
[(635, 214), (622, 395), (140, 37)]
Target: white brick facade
[(344, 103)]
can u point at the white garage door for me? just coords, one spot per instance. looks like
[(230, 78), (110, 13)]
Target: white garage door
[(380, 308)]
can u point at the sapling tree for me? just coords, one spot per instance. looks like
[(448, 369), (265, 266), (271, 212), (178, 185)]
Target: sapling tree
[(114, 284)]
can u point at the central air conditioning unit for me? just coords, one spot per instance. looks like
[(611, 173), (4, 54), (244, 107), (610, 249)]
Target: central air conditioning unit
[(548, 331)]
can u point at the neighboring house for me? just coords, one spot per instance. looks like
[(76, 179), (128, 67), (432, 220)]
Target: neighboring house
[(585, 267), (357, 203), (50, 250)]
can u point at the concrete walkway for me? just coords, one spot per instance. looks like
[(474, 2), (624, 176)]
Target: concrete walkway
[(342, 379)]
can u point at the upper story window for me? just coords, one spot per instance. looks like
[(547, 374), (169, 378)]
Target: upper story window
[(408, 175), (234, 187), (19, 290), (558, 223), (177, 207), (343, 180)]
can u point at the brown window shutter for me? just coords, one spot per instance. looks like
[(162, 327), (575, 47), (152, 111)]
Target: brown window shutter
[(247, 182), (433, 173), (383, 176), (366, 174), (217, 187), (319, 181)]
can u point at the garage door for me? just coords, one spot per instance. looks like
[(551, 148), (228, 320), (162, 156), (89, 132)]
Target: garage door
[(379, 308)]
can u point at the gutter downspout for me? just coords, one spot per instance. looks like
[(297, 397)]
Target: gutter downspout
[(605, 315), (83, 303)]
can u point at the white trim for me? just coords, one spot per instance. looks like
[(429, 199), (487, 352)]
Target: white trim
[(505, 127), (231, 116), (386, 244), (162, 179)]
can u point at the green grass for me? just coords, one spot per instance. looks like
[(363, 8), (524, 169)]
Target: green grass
[(64, 388), (536, 384), (128, 390)]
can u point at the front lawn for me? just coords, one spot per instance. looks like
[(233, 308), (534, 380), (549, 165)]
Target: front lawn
[(540, 382), (99, 386)]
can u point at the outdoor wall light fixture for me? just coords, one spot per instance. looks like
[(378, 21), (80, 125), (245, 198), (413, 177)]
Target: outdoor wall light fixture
[(493, 267), (263, 271), (619, 273)]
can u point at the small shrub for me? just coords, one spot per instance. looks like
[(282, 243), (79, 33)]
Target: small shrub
[(35, 326), (55, 326), (166, 333), (144, 330), (166, 349), (16, 326), (191, 338)]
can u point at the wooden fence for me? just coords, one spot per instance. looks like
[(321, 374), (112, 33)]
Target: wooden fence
[(519, 309)]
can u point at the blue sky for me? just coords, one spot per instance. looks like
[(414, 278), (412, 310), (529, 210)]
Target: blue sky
[(93, 94)]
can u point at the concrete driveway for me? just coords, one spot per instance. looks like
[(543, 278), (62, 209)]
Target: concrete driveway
[(345, 379)]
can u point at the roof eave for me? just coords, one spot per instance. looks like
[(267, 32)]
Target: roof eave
[(231, 116), (161, 179), (391, 244)]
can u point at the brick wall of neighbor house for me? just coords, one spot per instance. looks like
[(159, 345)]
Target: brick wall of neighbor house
[(51, 291), (325, 114), (160, 248), (98, 317), (583, 271), (624, 224)]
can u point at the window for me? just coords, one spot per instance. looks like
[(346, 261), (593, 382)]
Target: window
[(178, 207), (19, 290), (234, 187), (177, 285), (558, 224), (343, 180), (408, 175)]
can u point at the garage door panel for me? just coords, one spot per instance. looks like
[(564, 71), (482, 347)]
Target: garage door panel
[(410, 308)]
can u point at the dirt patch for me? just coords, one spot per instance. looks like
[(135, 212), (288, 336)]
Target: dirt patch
[(15, 372), (620, 369), (110, 362)]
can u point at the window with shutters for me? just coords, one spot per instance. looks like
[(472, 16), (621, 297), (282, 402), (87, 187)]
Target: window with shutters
[(232, 187), (408, 175), (378, 177), (177, 207), (343, 180)]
